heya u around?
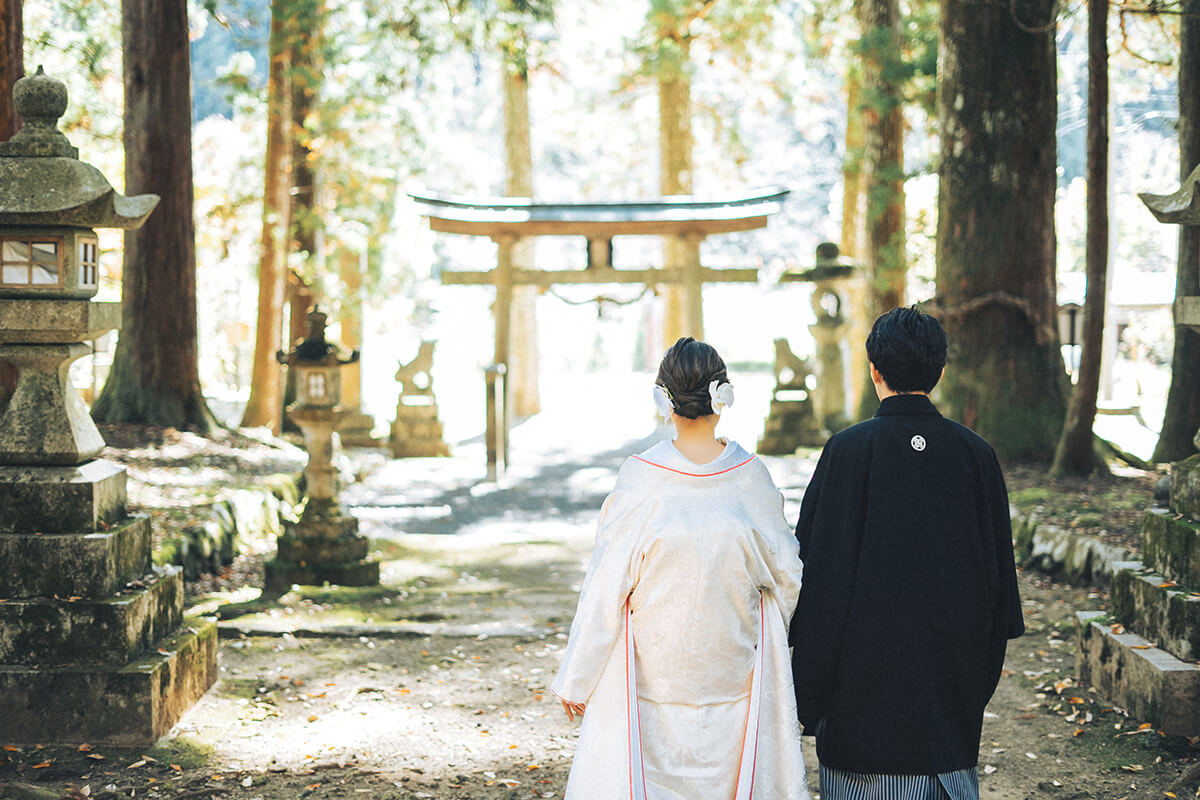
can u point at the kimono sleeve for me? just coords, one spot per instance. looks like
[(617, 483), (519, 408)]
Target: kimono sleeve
[(599, 616), (829, 533), (1009, 621)]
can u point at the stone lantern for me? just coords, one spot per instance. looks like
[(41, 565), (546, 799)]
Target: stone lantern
[(1147, 664), (324, 546), (93, 642)]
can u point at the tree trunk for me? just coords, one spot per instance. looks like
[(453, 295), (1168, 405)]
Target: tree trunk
[(155, 376), (995, 235), (305, 62), (12, 63), (1076, 453), (266, 385), (675, 177), (522, 381), (881, 114), (12, 69), (854, 210), (1182, 415)]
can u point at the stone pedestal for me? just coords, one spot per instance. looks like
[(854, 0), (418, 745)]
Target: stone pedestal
[(93, 643), (1146, 664), (417, 432), (325, 545), (792, 421)]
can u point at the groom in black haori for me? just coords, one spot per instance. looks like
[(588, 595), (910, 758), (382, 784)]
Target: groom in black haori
[(910, 590)]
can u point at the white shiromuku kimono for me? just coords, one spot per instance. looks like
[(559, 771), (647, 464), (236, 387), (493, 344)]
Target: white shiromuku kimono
[(695, 574)]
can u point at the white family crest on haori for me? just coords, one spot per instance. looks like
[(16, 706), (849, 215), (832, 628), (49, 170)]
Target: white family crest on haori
[(679, 643)]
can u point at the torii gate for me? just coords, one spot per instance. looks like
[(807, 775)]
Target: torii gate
[(506, 220)]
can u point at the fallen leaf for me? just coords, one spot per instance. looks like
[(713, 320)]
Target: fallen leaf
[(1133, 768), (84, 748), (42, 765), (1140, 647), (96, 757), (312, 718), (136, 764)]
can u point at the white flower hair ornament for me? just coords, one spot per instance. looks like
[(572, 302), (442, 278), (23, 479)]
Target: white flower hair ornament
[(721, 395), (662, 402)]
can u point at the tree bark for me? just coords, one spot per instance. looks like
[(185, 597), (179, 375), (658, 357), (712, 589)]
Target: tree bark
[(1076, 453), (1182, 415), (522, 381), (881, 113), (12, 63), (675, 177), (305, 62), (995, 236), (854, 210), (264, 407), (12, 69), (155, 376)]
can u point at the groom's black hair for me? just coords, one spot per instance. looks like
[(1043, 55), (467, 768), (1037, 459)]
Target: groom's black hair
[(908, 348)]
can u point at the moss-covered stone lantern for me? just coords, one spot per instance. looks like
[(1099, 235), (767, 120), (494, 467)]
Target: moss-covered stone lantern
[(324, 546), (94, 645)]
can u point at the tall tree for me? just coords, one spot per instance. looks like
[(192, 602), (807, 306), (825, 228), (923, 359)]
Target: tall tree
[(1076, 453), (264, 406), (522, 378), (675, 157), (12, 69), (155, 376), (1181, 419), (880, 175), (12, 62), (995, 277)]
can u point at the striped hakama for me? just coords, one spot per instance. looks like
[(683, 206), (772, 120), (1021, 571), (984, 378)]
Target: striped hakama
[(837, 784)]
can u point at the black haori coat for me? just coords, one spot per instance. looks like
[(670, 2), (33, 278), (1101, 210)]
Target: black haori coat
[(909, 594)]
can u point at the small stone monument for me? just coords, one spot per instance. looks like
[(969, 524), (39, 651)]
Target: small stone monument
[(416, 431), (324, 546), (834, 282), (1147, 662), (93, 642), (791, 422)]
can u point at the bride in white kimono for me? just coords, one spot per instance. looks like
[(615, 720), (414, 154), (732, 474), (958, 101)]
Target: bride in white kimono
[(678, 648)]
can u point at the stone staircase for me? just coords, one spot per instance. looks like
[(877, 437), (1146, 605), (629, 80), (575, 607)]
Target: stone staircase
[(1145, 657)]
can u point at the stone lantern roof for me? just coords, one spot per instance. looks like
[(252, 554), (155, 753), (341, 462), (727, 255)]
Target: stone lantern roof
[(42, 180), (315, 349)]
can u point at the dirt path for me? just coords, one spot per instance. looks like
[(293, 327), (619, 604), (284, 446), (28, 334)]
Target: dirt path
[(433, 685)]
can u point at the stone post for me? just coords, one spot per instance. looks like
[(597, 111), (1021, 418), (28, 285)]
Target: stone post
[(93, 643), (324, 546)]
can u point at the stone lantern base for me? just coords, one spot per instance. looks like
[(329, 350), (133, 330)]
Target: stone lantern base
[(93, 642), (323, 547)]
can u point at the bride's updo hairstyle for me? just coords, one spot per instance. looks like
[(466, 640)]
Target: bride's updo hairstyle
[(686, 371)]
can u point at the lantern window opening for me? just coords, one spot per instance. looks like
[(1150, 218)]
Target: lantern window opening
[(31, 261), (316, 386), (89, 261)]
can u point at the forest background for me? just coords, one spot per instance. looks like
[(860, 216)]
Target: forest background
[(409, 99)]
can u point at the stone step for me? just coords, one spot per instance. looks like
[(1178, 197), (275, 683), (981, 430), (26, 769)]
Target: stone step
[(1171, 547), (1158, 609), (90, 565), (1149, 683), (48, 632), (321, 551), (61, 499), (281, 575), (130, 705)]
